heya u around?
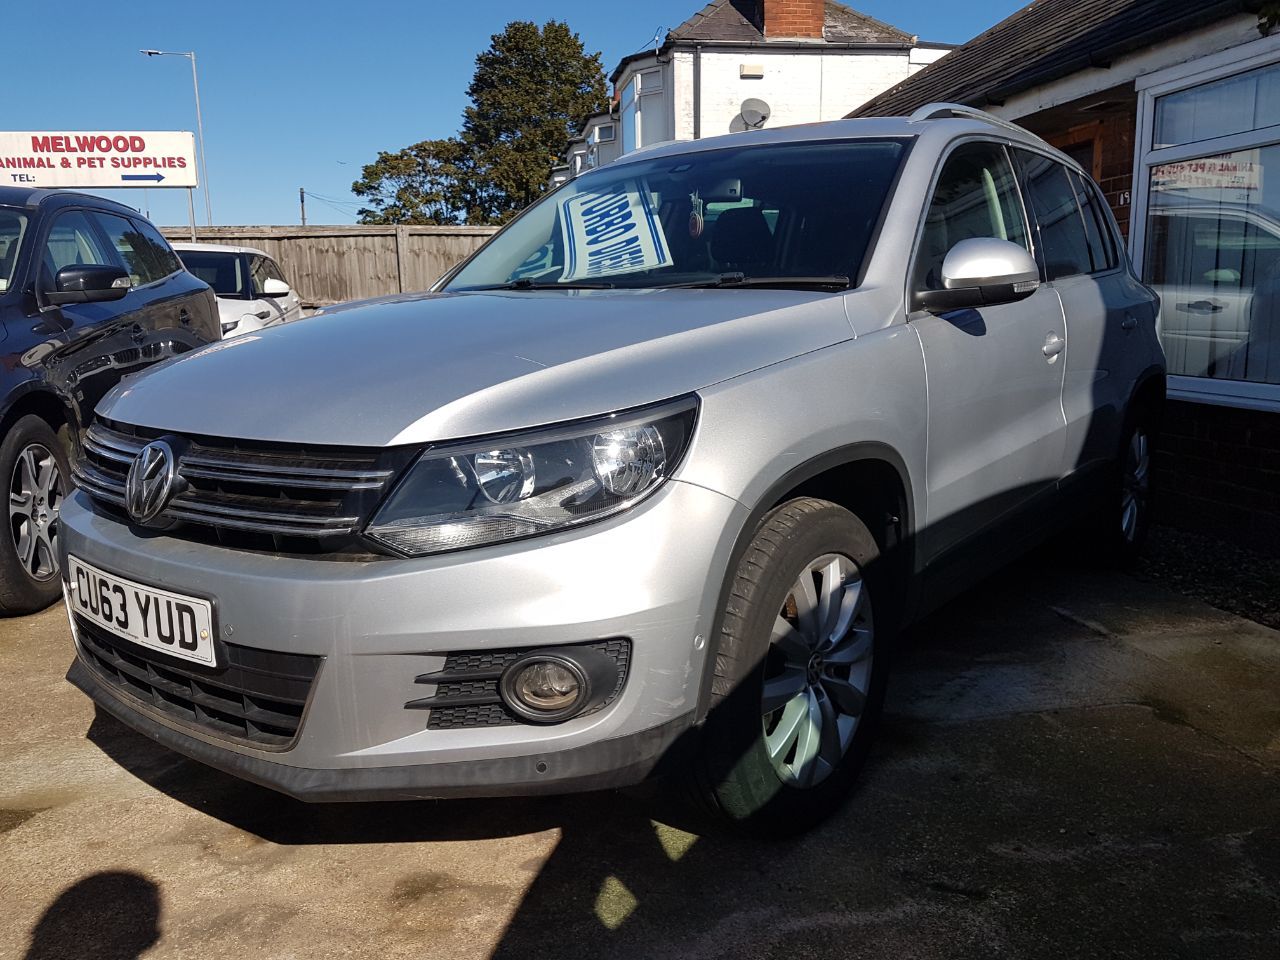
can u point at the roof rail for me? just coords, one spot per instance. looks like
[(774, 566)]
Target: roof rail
[(939, 111)]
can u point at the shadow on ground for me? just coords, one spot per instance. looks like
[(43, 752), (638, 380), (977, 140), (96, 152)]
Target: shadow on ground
[(1026, 799)]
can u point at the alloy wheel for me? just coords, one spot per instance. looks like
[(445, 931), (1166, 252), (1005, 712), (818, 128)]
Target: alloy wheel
[(818, 671), (1135, 484), (35, 497)]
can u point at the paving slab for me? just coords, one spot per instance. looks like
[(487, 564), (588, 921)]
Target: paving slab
[(1073, 764)]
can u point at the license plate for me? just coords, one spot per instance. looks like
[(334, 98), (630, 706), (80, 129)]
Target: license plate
[(171, 623)]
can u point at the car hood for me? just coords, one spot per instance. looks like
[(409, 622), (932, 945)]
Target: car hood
[(451, 365)]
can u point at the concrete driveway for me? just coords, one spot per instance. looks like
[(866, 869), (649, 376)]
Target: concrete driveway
[(1074, 765)]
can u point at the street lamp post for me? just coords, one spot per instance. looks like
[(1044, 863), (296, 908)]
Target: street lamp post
[(195, 82)]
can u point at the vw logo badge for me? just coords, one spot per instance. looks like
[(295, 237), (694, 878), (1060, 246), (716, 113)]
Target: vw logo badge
[(150, 481)]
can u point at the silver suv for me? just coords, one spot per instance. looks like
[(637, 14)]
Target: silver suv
[(647, 485)]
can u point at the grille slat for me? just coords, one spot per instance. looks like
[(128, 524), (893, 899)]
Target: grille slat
[(318, 495), (257, 696)]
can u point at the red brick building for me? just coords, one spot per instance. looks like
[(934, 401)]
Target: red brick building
[(1174, 106)]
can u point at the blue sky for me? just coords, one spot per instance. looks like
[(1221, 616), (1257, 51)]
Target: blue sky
[(303, 93)]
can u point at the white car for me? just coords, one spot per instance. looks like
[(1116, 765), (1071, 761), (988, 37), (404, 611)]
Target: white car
[(252, 292)]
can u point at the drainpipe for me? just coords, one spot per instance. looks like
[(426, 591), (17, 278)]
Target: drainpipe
[(697, 92)]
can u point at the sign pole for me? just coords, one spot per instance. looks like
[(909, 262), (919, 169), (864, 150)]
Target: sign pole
[(191, 212)]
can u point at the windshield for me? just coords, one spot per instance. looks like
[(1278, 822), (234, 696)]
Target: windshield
[(788, 214), (12, 226), (222, 271)]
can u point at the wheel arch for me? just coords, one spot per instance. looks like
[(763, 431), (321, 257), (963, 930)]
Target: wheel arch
[(871, 480), (31, 398), (1149, 393)]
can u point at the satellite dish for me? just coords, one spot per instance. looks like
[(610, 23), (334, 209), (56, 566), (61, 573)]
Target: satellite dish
[(754, 113)]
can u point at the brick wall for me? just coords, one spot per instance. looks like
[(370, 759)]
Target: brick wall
[(1111, 135), (1217, 471), (1114, 161), (793, 18)]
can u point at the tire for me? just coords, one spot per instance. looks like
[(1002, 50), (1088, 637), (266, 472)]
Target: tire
[(1123, 517), (33, 462), (776, 768)]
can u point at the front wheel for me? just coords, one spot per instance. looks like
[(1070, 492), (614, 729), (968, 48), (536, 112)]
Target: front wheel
[(34, 461), (800, 671)]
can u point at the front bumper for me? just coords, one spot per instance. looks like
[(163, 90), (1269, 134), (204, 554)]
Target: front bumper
[(651, 575)]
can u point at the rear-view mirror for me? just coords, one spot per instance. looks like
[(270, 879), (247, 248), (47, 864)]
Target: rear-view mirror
[(271, 287), (982, 272), (89, 283)]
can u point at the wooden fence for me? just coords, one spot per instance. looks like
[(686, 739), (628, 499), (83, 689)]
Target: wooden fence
[(330, 264)]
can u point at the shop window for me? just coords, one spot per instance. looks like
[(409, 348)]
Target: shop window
[(1238, 104), (1207, 221), (1213, 255)]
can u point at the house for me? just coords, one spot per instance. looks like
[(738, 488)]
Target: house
[(739, 64), (1174, 107)]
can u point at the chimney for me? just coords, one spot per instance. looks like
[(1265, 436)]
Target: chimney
[(794, 19)]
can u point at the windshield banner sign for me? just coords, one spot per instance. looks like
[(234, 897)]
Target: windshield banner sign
[(611, 233)]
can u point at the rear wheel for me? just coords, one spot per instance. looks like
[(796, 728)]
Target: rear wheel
[(34, 461), (800, 672), (1118, 527)]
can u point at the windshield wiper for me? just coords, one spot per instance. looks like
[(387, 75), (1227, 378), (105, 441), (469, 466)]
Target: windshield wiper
[(833, 282), (524, 283)]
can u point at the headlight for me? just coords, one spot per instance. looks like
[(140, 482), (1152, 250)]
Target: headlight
[(519, 485)]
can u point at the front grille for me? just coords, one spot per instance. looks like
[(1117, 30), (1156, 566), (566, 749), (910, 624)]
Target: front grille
[(256, 696), (241, 487), (467, 695)]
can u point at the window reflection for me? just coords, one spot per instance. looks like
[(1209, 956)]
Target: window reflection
[(1213, 255)]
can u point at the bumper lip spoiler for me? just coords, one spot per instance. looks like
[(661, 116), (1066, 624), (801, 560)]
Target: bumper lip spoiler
[(607, 764)]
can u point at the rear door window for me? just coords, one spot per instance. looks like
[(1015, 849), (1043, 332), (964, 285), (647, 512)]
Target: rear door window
[(134, 249), (158, 246), (1063, 240)]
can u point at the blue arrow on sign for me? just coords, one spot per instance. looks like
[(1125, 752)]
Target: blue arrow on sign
[(157, 177)]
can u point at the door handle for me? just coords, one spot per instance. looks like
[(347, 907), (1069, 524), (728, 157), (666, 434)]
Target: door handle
[(263, 314), (1200, 306), (1053, 345), (1129, 322)]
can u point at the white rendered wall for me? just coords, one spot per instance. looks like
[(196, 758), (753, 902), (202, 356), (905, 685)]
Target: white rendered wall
[(799, 87)]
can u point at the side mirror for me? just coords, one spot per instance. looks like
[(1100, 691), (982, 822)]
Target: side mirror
[(271, 287), (89, 283), (982, 272)]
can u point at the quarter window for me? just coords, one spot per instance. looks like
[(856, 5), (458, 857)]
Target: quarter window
[(1062, 230), (976, 196), (1097, 232)]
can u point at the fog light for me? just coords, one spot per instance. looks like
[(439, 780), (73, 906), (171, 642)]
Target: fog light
[(546, 687), (556, 685)]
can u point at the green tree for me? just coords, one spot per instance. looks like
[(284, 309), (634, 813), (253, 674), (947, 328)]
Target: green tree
[(530, 89)]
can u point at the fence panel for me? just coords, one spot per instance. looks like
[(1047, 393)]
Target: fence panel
[(329, 264)]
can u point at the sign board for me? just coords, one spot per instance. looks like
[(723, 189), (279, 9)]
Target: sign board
[(1228, 178), (98, 158), (612, 232)]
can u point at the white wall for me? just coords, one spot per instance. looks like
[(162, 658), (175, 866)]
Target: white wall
[(799, 87), (921, 57)]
